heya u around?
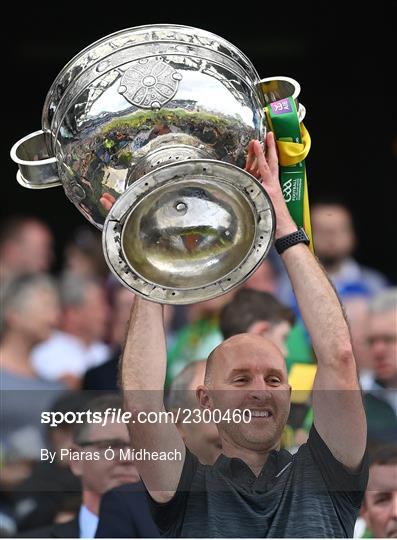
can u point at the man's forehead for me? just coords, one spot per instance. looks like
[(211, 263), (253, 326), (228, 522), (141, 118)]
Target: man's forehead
[(330, 211), (250, 342), (387, 319), (111, 430), (382, 478), (249, 352)]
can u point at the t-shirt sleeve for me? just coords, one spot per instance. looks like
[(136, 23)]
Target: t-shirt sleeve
[(169, 516), (339, 480)]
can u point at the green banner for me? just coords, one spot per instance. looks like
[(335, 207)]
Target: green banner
[(285, 124)]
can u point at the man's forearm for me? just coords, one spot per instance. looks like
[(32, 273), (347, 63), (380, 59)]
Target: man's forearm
[(339, 415), (144, 358), (319, 305), (318, 302), (143, 375)]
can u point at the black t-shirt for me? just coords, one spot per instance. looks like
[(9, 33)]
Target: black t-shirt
[(308, 494)]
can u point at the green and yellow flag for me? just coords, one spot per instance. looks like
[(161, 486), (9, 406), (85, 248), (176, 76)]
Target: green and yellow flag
[(293, 143)]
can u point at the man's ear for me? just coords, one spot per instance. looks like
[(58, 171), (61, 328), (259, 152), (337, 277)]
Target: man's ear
[(366, 515), (203, 397), (364, 512), (259, 328)]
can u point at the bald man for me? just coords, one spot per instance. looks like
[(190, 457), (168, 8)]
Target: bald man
[(254, 489)]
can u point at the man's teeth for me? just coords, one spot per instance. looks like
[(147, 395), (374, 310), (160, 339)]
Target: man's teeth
[(262, 414)]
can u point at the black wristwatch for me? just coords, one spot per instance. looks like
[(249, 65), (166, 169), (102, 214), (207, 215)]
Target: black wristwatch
[(290, 240)]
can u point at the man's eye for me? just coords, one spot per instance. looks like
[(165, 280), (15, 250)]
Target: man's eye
[(274, 380), (381, 499), (240, 380)]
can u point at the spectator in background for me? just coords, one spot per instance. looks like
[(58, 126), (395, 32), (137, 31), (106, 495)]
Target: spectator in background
[(334, 243), (84, 254), (379, 508), (198, 336), (105, 376), (97, 476), (29, 314), (52, 486), (255, 312), (26, 246), (201, 438), (264, 278), (380, 398), (356, 308), (124, 513), (78, 345)]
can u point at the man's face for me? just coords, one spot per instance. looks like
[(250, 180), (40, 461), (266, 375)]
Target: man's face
[(35, 248), (102, 475), (201, 438), (263, 279), (249, 373), (382, 346), (93, 313), (380, 504), (333, 234), (39, 315)]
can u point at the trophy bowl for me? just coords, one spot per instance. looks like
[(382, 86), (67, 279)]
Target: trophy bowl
[(147, 131)]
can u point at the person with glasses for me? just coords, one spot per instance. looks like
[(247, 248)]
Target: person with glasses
[(97, 475), (380, 388)]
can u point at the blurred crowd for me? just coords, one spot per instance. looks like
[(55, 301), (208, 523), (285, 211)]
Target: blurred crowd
[(60, 344)]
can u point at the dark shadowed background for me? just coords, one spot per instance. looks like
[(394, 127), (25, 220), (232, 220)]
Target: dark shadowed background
[(339, 59)]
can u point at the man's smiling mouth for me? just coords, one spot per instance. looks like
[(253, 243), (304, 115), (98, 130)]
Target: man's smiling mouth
[(258, 413)]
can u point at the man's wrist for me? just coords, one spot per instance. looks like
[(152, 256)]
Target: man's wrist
[(284, 229), (147, 303)]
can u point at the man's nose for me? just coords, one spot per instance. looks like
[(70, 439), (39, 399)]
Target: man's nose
[(260, 391), (378, 348)]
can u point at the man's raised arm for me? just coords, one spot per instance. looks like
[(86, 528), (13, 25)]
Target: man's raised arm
[(338, 410), (143, 375)]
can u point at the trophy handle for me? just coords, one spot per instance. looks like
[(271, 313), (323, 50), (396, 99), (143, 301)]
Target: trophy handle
[(275, 88), (37, 170)]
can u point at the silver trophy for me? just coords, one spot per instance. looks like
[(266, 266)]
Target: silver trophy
[(147, 130)]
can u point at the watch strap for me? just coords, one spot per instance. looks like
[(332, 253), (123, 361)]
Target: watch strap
[(290, 240)]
